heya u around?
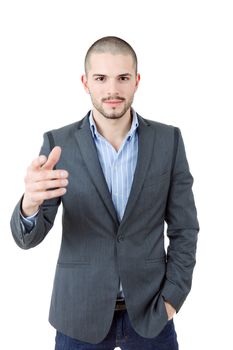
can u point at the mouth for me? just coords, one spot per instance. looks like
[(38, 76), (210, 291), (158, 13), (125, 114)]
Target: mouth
[(113, 102)]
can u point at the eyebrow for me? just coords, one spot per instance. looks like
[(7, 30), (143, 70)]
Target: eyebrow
[(120, 75)]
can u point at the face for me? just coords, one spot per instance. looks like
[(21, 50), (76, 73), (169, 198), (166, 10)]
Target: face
[(111, 83)]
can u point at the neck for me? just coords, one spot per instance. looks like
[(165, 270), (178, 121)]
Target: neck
[(113, 129)]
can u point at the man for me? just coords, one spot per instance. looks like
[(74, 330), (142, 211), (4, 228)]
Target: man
[(119, 177)]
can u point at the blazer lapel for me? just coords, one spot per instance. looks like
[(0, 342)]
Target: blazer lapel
[(90, 156), (146, 137)]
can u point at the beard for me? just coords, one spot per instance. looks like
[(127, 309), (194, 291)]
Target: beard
[(113, 114)]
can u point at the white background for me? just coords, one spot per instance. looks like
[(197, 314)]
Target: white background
[(185, 58)]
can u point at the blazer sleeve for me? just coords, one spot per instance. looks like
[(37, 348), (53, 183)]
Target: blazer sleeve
[(45, 218), (182, 230)]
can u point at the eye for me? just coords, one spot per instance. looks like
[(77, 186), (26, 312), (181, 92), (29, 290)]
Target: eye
[(100, 78), (124, 78)]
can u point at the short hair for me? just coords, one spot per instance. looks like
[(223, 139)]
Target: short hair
[(113, 45)]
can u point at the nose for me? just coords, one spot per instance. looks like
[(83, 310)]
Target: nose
[(112, 88)]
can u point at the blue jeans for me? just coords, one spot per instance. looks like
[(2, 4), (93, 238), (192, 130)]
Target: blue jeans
[(122, 335)]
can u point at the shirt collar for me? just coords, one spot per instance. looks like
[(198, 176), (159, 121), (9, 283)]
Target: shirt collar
[(130, 133)]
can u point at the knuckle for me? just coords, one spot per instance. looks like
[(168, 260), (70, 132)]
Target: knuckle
[(61, 183), (48, 194), (48, 174), (59, 174), (34, 163)]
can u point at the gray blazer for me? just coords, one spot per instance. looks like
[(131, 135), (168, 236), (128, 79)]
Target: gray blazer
[(96, 248)]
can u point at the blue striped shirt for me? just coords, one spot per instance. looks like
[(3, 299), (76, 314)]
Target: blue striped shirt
[(118, 166)]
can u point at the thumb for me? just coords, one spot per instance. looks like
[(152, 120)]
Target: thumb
[(53, 158)]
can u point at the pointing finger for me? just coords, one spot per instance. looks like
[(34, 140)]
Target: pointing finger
[(53, 158)]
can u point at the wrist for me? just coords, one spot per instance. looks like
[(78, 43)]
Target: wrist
[(28, 208)]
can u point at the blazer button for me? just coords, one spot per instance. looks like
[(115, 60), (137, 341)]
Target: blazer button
[(120, 238)]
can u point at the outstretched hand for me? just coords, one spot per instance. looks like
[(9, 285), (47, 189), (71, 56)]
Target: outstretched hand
[(43, 182)]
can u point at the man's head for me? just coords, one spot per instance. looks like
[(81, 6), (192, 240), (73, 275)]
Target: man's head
[(113, 45), (111, 76)]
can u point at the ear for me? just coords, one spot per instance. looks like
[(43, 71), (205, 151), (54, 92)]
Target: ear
[(84, 82), (137, 81)]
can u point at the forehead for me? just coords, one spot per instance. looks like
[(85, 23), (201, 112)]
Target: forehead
[(104, 63)]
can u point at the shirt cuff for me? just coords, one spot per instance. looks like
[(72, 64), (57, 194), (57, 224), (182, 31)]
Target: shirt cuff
[(29, 222)]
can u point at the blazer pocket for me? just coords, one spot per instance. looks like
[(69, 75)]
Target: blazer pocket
[(67, 264)]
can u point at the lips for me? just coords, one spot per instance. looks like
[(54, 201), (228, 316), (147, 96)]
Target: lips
[(113, 102)]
